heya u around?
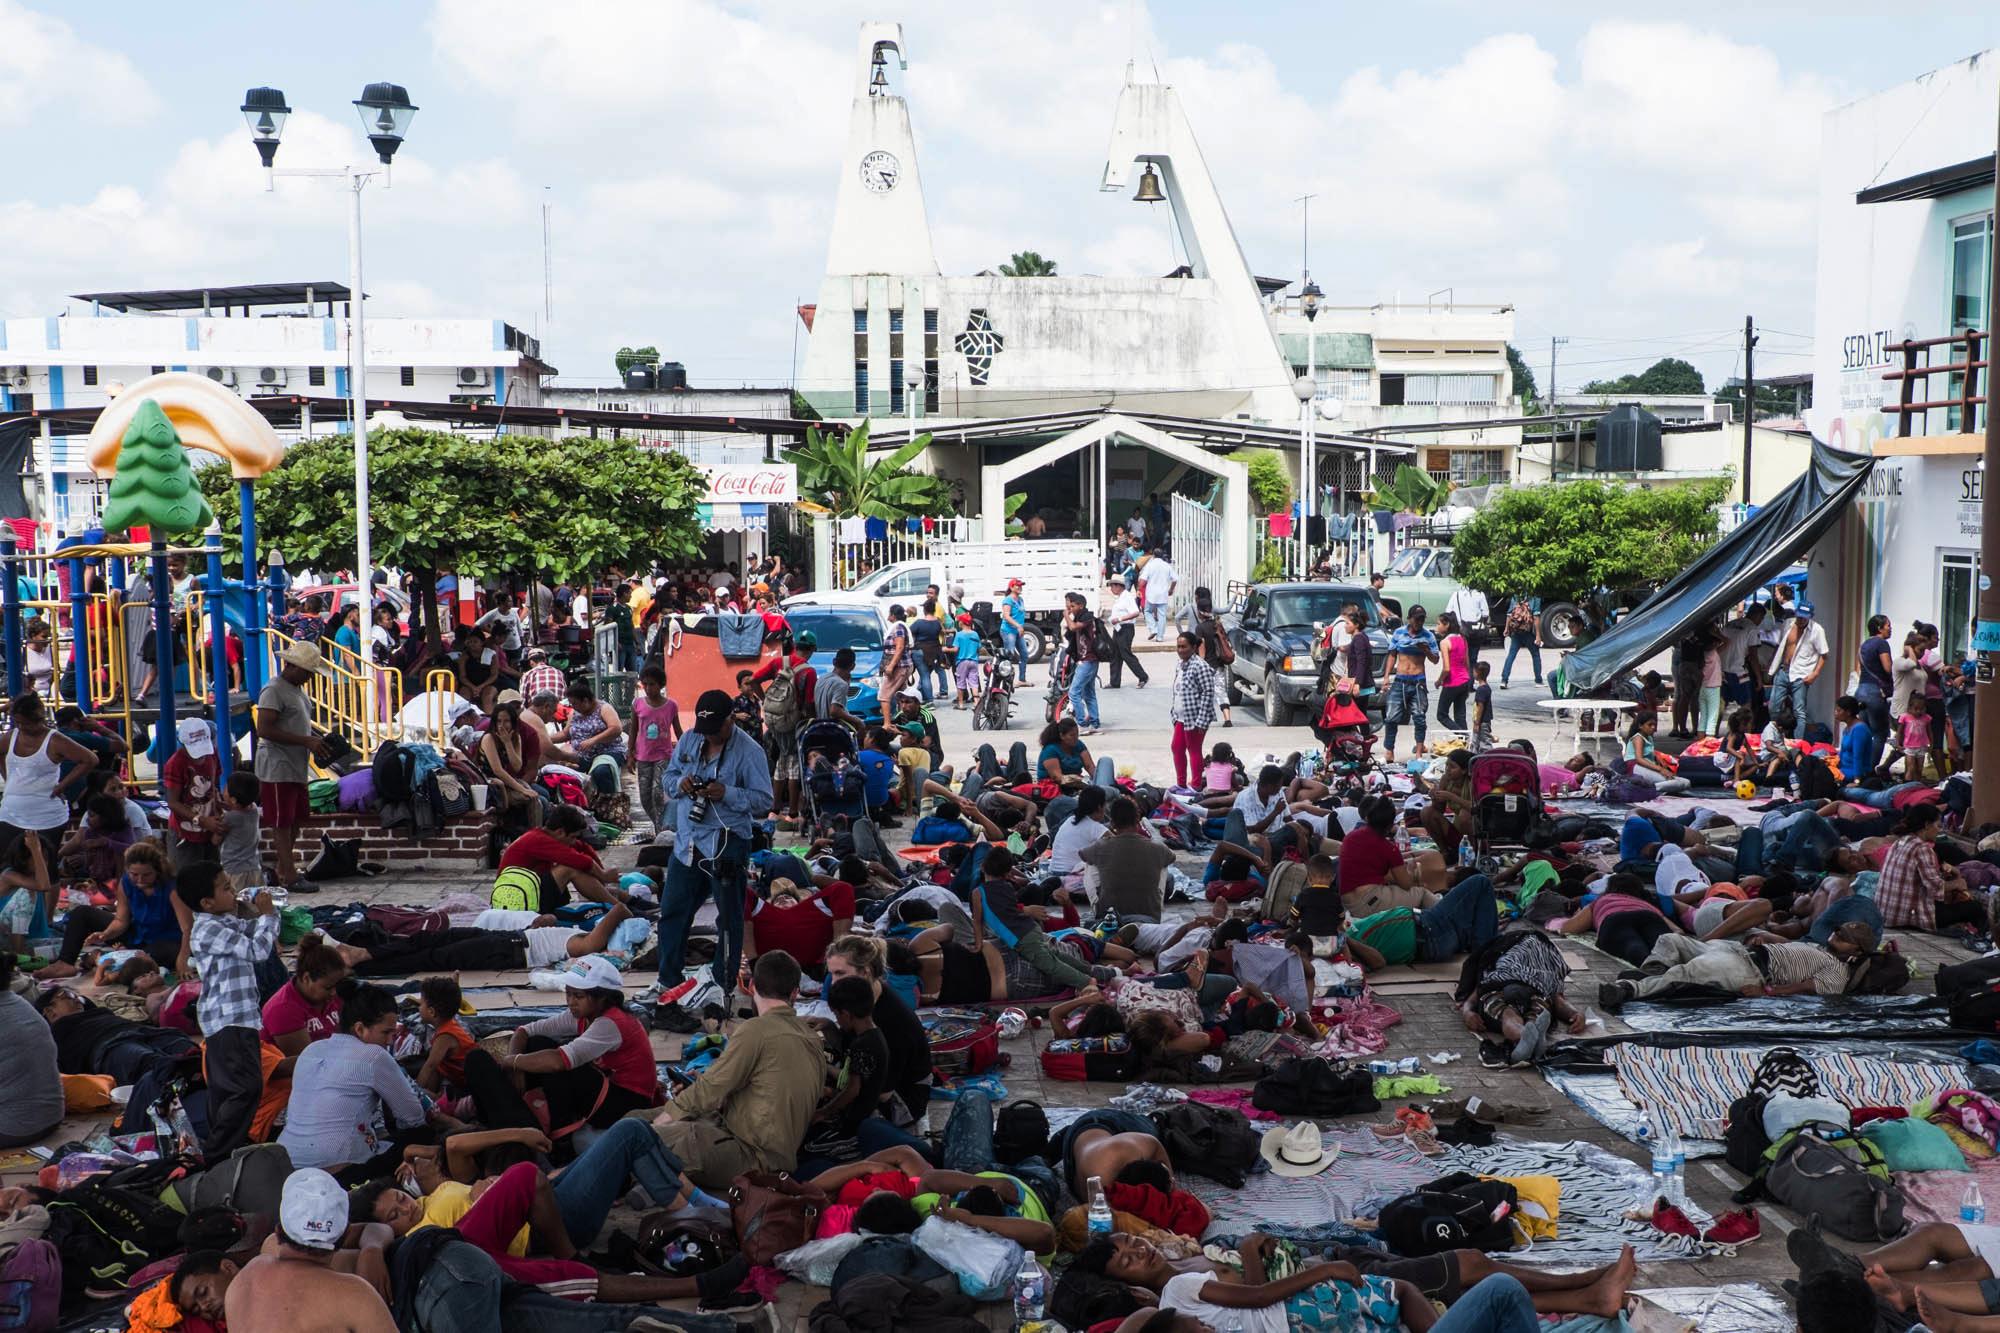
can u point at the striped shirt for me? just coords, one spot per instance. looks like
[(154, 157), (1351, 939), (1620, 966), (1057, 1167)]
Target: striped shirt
[(1534, 963), (1194, 695)]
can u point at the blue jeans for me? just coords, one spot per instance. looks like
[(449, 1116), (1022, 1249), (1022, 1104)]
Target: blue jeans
[(529, 1311), (1083, 694), (1407, 699), (1011, 642), (686, 886), (1216, 988), (460, 1291), (968, 1147), (1515, 643), (1839, 914), (874, 1134), (1463, 919), (1784, 687), (1156, 619), (589, 1186), (1878, 800), (926, 672), (1499, 1304)]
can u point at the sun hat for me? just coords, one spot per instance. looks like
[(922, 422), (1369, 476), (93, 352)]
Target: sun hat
[(305, 656), (1296, 1150), (312, 1210), (593, 971)]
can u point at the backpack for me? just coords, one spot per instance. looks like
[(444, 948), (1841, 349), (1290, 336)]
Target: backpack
[(1455, 1212), (395, 770), (109, 1227), (1020, 1129), (1744, 1142), (517, 889), (1884, 972), (30, 1287), (781, 701), (830, 783), (1312, 1087), (1816, 780), (1842, 1178), (963, 1042), (1212, 1141), (1287, 878), (249, 1180)]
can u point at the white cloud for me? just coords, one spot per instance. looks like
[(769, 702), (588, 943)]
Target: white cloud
[(1683, 267), (45, 68)]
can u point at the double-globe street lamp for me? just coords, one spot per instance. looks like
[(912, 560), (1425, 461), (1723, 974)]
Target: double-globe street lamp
[(386, 113)]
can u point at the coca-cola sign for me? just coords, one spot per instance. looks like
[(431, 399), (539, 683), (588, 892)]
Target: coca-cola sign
[(751, 483)]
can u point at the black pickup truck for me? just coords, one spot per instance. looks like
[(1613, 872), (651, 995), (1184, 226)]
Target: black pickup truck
[(1273, 630)]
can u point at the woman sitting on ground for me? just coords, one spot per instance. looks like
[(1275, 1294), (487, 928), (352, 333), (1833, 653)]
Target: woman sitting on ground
[(95, 849), (1374, 873), (146, 915), (1448, 817), (1915, 892), (307, 1007), (596, 737), (512, 757), (345, 1085)]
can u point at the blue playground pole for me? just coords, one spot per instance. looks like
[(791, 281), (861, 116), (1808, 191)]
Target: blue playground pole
[(10, 611), (79, 634), (166, 735), (218, 629), (256, 616)]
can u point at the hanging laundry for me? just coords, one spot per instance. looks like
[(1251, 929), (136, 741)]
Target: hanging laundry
[(853, 531), (877, 529), (913, 525), (1405, 520), (1281, 525), (1339, 527), (1384, 521), (929, 523)]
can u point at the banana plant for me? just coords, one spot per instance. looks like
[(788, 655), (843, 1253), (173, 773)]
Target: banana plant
[(836, 472), (1412, 491), (1015, 527)]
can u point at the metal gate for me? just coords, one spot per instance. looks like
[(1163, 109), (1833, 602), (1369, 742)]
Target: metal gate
[(1196, 543)]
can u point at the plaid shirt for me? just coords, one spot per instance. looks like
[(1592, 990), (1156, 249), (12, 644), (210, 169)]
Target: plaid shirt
[(1907, 890), (226, 951), (1194, 694), (543, 679)]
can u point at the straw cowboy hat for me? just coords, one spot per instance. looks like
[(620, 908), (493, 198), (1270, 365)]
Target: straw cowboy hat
[(1296, 1150), (304, 656)]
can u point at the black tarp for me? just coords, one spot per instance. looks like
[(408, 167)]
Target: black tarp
[(1768, 541), (17, 438)]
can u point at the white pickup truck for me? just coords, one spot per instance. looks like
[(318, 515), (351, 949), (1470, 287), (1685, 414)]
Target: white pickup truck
[(1048, 570)]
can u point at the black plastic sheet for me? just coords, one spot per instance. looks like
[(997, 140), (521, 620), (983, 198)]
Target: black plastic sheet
[(1755, 552)]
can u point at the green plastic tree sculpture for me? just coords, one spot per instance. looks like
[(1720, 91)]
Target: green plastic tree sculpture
[(154, 487)]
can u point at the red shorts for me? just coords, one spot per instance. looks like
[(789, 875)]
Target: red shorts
[(284, 804)]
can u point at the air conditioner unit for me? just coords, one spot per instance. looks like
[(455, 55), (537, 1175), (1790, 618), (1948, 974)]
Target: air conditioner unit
[(474, 377), (271, 377), (224, 375), (14, 377)]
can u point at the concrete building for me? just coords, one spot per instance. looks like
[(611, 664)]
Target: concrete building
[(1673, 409), (264, 340), (1905, 241), (700, 445)]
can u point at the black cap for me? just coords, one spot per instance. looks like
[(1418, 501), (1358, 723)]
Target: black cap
[(711, 712)]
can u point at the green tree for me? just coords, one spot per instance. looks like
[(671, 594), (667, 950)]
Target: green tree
[(1565, 541), (803, 410), (1771, 401), (1270, 483), (514, 504), (629, 357), (154, 486), (836, 472), (1524, 378), (1669, 374), (1028, 264)]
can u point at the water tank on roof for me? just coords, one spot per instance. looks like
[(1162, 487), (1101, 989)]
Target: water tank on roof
[(673, 375), (639, 377), (1628, 440)]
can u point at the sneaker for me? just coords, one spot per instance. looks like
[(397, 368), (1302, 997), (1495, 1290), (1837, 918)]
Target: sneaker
[(1673, 1221), (302, 886), (1503, 684), (647, 996), (674, 1018), (1735, 1228), (1613, 994)]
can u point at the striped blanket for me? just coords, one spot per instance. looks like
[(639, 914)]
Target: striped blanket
[(1693, 1086)]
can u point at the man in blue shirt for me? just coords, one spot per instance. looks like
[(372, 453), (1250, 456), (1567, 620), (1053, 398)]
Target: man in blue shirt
[(1857, 742), (877, 761), (718, 785)]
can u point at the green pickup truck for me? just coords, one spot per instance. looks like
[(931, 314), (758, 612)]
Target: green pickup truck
[(1421, 576)]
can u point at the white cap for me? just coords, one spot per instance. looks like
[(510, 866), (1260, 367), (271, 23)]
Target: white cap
[(197, 737), (312, 1210), (593, 972)]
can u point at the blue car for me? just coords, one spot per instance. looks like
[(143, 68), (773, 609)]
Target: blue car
[(861, 628)]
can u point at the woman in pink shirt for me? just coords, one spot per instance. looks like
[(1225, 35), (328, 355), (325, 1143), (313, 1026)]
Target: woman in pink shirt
[(1455, 681), (656, 725)]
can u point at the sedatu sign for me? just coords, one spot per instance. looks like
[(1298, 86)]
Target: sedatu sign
[(751, 483)]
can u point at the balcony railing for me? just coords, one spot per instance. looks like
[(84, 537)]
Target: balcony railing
[(1961, 366)]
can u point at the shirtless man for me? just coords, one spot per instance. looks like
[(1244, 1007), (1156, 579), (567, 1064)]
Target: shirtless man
[(1440, 1278), (1406, 693), (1947, 1266), (1107, 1143), (295, 1288)]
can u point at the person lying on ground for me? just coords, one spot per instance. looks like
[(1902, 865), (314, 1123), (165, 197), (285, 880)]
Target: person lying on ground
[(1157, 1022), (1439, 1279), (91, 1039), (1719, 911), (1785, 968), (1374, 873), (1511, 988), (1101, 1144), (991, 1200), (1954, 1265), (1463, 920), (1626, 917), (504, 941)]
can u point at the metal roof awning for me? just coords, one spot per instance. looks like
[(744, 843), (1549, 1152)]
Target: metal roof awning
[(1207, 432), (1934, 184), (202, 298)]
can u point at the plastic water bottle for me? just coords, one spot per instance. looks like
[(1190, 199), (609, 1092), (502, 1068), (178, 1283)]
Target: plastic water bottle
[(1031, 1288), (1466, 856), (1402, 837), (1676, 1152), (1100, 1210), (1663, 1159), (1972, 1208)]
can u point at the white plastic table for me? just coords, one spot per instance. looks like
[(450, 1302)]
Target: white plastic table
[(1588, 719)]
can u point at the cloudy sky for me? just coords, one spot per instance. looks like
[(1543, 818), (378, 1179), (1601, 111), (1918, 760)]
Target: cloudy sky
[(1635, 184)]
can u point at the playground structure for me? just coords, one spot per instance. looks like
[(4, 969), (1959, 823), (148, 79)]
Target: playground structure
[(137, 441)]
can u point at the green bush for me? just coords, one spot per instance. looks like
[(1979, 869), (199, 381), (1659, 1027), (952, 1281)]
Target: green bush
[(1270, 483), (1270, 567)]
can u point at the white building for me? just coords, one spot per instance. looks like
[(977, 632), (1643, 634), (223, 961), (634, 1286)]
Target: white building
[(1673, 409), (700, 445), (1905, 241), (264, 341)]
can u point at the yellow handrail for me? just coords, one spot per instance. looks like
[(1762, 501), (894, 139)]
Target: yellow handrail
[(354, 698), (439, 685)]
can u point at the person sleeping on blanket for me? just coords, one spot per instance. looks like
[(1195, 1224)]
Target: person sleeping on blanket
[(1511, 989), (1780, 967), (1946, 1273), (1356, 1288)]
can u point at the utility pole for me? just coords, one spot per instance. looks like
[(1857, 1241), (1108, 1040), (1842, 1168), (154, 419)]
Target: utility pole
[(1986, 625), (1749, 397), (1554, 343)]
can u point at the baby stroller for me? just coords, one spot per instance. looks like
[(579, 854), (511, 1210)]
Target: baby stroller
[(1506, 797), (833, 781), (1343, 728)]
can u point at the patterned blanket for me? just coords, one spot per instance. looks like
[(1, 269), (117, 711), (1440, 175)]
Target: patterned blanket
[(1693, 1086)]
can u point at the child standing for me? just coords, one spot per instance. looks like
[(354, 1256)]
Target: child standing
[(864, 1076), (227, 941), (965, 648), (1482, 708), (188, 783), (1913, 733), (438, 1000), (240, 827), (657, 720)]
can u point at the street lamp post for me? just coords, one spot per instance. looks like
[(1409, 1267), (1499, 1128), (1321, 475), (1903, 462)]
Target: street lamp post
[(1306, 387), (386, 112)]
